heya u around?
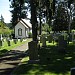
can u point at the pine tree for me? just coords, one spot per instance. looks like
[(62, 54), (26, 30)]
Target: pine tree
[(33, 19), (2, 19), (18, 11), (70, 2)]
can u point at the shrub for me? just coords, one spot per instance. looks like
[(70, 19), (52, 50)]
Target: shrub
[(29, 34)]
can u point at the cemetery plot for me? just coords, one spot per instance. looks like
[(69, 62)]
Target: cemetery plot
[(54, 38), (9, 44), (51, 62), (51, 56)]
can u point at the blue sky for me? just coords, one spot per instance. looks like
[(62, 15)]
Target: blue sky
[(5, 10)]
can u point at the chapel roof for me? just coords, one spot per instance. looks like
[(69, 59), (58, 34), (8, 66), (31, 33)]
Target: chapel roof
[(26, 23)]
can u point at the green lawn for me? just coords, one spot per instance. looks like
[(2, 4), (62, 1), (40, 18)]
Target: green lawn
[(6, 48), (52, 62)]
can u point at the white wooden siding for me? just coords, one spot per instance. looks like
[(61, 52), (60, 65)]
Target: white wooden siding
[(19, 25)]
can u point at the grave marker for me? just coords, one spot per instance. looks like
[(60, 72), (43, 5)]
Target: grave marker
[(8, 43), (1, 42), (1, 37), (15, 41), (21, 39), (43, 41), (33, 50), (72, 71), (62, 43), (50, 38)]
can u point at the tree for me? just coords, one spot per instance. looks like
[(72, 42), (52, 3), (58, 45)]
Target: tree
[(18, 10), (70, 2), (73, 15), (4, 29), (2, 19), (53, 6), (62, 18), (44, 11), (33, 19)]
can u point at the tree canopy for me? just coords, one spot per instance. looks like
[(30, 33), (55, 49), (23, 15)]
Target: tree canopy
[(18, 10), (44, 11)]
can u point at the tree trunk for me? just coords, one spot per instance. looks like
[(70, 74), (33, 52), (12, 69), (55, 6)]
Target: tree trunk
[(40, 26), (40, 15), (33, 19), (53, 7)]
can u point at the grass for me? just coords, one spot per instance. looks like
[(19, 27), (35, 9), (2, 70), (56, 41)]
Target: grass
[(24, 60), (6, 48), (52, 62)]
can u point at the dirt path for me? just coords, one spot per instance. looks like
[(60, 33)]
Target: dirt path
[(23, 47), (10, 60)]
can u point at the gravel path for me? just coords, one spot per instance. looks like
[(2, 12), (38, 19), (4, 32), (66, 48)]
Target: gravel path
[(10, 60), (23, 47)]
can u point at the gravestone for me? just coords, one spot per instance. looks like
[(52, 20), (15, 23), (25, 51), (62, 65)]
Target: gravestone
[(72, 71), (74, 42), (43, 41), (1, 37), (21, 39), (7, 38), (15, 41), (38, 37), (65, 36), (1, 42), (55, 37), (33, 50), (62, 43), (73, 37), (50, 38), (10, 36), (70, 38), (72, 33), (44, 55), (8, 43)]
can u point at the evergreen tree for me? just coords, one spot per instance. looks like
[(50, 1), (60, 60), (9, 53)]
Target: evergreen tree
[(62, 18), (33, 19), (2, 19), (70, 2), (18, 10)]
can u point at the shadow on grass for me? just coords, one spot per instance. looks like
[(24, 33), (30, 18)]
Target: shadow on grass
[(10, 60), (3, 51), (52, 62), (58, 61)]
